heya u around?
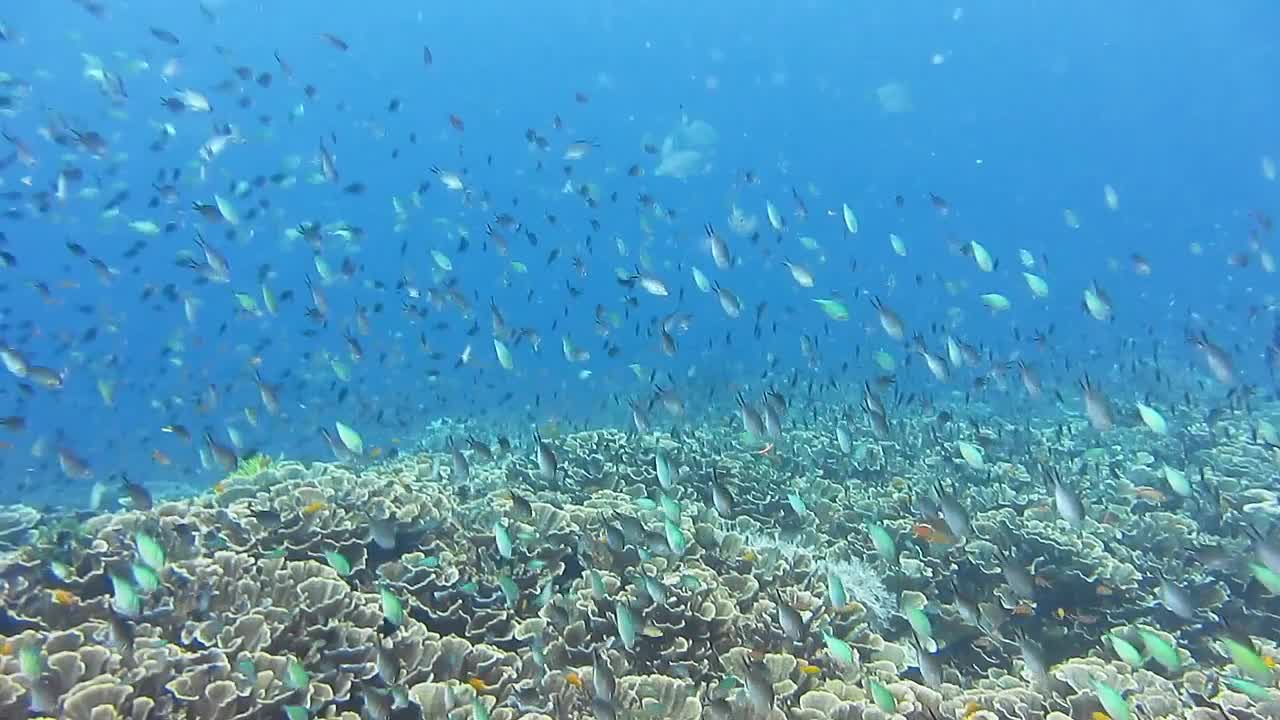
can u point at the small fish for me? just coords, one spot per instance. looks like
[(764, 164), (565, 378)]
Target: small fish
[(1096, 406), (335, 41), (626, 624), (150, 551), (1113, 701), (338, 562), (759, 687), (721, 498), (890, 321), (789, 618), (392, 607), (548, 464), (503, 539)]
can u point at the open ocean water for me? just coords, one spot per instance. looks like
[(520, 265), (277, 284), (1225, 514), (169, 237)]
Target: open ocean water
[(639, 360)]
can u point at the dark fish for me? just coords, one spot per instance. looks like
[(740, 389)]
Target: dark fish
[(164, 36), (336, 41), (721, 498), (139, 497), (383, 532), (521, 508), (603, 682)]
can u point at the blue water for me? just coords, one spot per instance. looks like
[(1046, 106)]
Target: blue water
[(1033, 109)]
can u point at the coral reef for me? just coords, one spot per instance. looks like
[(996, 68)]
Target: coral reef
[(621, 588)]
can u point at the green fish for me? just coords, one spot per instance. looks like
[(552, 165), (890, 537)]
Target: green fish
[(340, 564), (919, 621), (296, 712), (839, 649), (247, 303), (351, 439), (247, 669), (295, 675), (1248, 661), (883, 543), (670, 508), (597, 585), (882, 697), (392, 607), (675, 538), (626, 625), (1255, 691), (836, 591), (125, 598), (31, 662), (430, 561), (833, 308), (509, 590), (796, 502), (146, 578), (1113, 701), (1157, 647), (1126, 651), (478, 709), (340, 369), (1269, 578), (150, 551), (61, 570)]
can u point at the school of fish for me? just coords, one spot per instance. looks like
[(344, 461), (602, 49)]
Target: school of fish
[(322, 409)]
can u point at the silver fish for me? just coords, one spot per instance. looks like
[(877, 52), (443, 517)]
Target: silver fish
[(1066, 500), (1096, 406), (751, 420), (548, 466), (954, 515), (790, 620), (603, 682)]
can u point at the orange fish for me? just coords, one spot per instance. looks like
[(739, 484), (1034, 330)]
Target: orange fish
[(765, 450), (63, 597), (457, 123), (161, 458), (478, 685), (375, 453), (932, 534), (1150, 494), (808, 669), (573, 679), (312, 508), (1105, 590), (220, 487)]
